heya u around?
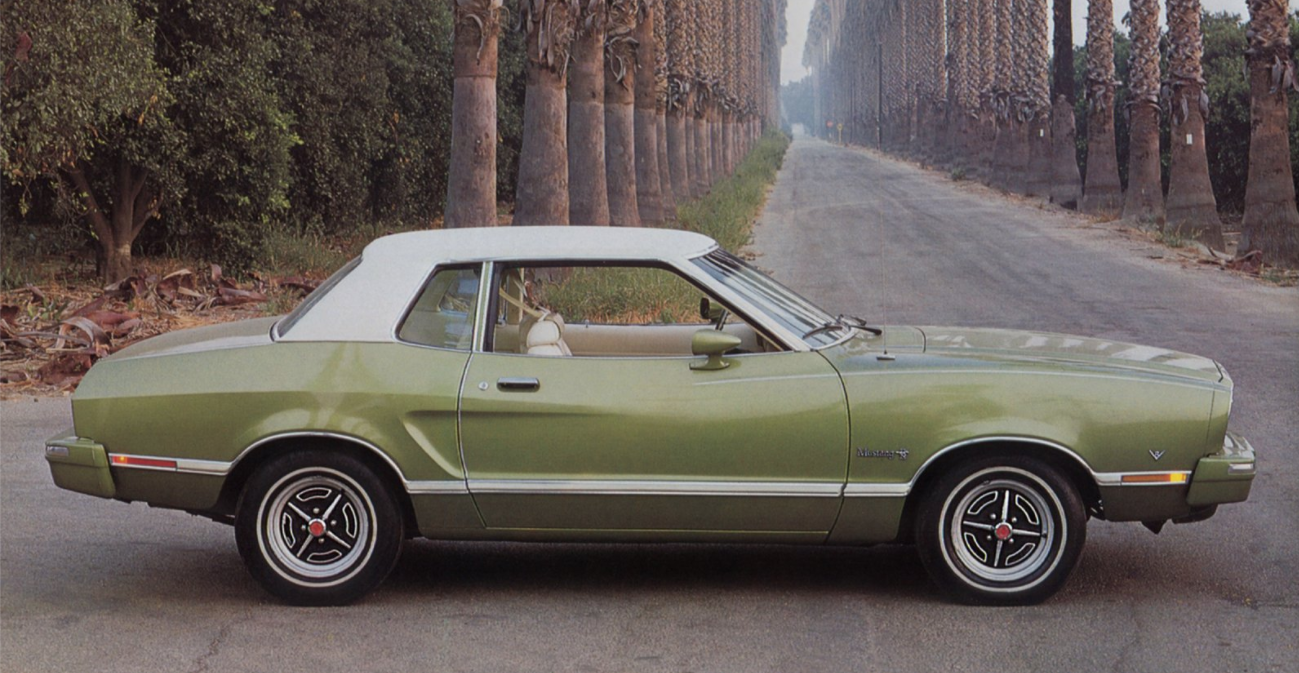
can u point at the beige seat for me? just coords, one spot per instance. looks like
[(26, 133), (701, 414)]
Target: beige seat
[(545, 337)]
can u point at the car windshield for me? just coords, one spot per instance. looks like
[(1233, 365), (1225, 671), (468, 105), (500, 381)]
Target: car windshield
[(781, 304)]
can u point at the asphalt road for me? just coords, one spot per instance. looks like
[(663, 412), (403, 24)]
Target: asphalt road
[(91, 585)]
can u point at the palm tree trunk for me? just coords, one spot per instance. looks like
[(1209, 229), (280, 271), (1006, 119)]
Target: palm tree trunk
[(542, 196), (680, 66), (1066, 182), (471, 184), (649, 192), (620, 114), (1271, 221), (1143, 204), (660, 112), (1102, 192), (1192, 210), (588, 188), (1037, 180)]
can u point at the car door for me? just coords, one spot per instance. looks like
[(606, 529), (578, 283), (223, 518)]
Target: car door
[(650, 444)]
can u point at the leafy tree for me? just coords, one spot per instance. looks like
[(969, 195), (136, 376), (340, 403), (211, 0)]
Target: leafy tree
[(90, 111)]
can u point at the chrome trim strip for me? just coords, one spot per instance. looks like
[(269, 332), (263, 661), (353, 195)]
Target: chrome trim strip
[(1116, 478), (876, 490), (208, 467), (780, 489), (448, 487), (1240, 468)]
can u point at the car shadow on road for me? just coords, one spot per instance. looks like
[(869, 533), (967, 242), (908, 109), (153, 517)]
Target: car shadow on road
[(456, 567)]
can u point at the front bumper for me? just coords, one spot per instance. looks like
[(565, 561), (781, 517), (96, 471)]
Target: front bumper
[(1225, 476), (79, 465)]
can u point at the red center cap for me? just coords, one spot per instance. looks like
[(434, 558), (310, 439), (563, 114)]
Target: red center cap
[(1002, 531), (317, 528)]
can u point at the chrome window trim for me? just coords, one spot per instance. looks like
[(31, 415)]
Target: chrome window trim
[(650, 487)]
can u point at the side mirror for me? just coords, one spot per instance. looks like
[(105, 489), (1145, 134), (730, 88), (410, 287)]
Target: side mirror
[(714, 344)]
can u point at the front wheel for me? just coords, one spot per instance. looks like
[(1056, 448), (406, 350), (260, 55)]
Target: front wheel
[(1001, 530), (318, 528)]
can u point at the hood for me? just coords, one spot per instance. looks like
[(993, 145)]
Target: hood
[(1065, 348), (239, 334)]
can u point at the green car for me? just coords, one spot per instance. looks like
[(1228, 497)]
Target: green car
[(639, 385)]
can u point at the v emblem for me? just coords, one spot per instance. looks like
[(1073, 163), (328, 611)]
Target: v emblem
[(1156, 454)]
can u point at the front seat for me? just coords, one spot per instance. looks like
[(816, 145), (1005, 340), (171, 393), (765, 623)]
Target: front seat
[(546, 337)]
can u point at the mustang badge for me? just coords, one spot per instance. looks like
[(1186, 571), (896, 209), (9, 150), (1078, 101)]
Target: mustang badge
[(900, 454)]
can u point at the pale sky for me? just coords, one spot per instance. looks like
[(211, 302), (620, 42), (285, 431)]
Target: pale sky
[(800, 10)]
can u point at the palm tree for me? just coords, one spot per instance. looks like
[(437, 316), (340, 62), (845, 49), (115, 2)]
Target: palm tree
[(1102, 192), (1066, 183), (660, 112), (471, 187), (1191, 208), (1036, 40), (587, 187), (542, 196), (649, 192), (680, 65), (985, 69), (701, 166), (1271, 222), (1144, 201), (619, 112)]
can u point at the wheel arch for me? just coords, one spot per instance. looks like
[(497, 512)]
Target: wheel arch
[(267, 448), (1058, 456)]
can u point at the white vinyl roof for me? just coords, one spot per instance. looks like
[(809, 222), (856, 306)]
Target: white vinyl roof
[(366, 305)]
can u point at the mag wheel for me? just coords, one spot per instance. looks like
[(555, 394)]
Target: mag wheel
[(1002, 530), (318, 528)]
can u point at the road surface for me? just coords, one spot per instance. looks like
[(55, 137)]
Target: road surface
[(91, 585)]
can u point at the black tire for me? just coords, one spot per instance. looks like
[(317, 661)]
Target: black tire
[(1016, 511), (318, 528)]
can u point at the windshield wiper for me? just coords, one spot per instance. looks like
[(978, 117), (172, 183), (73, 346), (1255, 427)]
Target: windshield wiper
[(844, 322)]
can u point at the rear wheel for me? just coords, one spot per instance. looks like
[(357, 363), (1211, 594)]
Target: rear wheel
[(318, 528), (1001, 530)]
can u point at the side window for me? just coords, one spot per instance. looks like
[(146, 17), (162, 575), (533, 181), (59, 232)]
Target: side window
[(443, 316), (605, 311)]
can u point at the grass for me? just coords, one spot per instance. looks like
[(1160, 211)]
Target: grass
[(643, 296)]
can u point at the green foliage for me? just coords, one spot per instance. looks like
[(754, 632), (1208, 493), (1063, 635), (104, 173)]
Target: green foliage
[(727, 212)]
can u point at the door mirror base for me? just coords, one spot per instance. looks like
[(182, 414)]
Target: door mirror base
[(714, 344)]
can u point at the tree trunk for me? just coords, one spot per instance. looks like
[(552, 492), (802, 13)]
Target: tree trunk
[(1102, 191), (716, 138), (1062, 61), (471, 184), (649, 191), (134, 204), (679, 152), (665, 169), (620, 114), (1066, 183), (1037, 180), (587, 189), (1191, 208), (699, 169), (1271, 221), (542, 197), (1143, 204)]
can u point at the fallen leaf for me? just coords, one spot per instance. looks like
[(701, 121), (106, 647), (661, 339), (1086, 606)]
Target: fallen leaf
[(229, 296), (67, 367), (1250, 262)]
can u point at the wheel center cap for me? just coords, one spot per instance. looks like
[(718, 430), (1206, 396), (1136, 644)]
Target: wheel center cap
[(1002, 531), (317, 527)]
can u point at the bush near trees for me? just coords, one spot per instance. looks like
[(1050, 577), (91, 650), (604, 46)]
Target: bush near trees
[(211, 124)]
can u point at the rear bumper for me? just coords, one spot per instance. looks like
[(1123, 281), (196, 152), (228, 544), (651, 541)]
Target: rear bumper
[(1225, 476), (79, 465)]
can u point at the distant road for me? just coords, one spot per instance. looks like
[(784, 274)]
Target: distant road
[(94, 585)]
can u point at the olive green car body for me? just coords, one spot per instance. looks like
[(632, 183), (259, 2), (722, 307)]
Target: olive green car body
[(828, 445)]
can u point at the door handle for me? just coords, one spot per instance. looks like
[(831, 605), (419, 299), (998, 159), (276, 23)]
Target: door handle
[(513, 384)]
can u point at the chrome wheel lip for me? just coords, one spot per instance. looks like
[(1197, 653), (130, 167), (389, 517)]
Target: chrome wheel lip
[(281, 556), (1025, 575)]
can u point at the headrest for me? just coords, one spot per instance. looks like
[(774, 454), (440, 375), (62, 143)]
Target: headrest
[(544, 333)]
